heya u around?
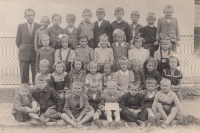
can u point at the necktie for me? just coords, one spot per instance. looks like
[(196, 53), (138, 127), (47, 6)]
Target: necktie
[(30, 29)]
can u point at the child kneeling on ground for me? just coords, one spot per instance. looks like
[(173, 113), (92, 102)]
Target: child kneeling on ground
[(77, 110), (166, 103)]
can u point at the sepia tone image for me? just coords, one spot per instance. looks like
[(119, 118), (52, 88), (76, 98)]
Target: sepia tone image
[(100, 66)]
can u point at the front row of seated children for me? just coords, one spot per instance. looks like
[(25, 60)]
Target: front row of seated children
[(80, 107)]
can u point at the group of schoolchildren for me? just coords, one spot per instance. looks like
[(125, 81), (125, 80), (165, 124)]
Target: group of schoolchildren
[(81, 69)]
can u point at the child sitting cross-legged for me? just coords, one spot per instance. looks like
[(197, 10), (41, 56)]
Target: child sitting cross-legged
[(77, 110), (166, 103), (132, 109)]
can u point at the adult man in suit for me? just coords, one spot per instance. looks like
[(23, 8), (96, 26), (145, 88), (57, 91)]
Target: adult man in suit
[(25, 43), (101, 26)]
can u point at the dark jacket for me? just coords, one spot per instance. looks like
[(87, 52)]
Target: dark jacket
[(147, 102)]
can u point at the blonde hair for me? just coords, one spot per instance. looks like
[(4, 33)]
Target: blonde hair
[(92, 63), (44, 62), (64, 36), (43, 36), (87, 11), (168, 7), (134, 62), (59, 63), (118, 32), (165, 40), (46, 18), (164, 80), (123, 59)]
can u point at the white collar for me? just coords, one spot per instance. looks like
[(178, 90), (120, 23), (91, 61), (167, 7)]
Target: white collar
[(122, 44), (124, 73), (119, 21), (151, 25), (70, 28), (153, 92), (30, 24)]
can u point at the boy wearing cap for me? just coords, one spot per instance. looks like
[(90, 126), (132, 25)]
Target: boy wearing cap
[(149, 34), (71, 31), (101, 26)]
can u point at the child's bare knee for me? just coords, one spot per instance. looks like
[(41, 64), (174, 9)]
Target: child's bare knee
[(174, 109), (158, 105)]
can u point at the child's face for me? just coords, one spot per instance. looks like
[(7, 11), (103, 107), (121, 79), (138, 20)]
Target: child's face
[(41, 84), (56, 21), (86, 17), (120, 38), (133, 90), (77, 90), (119, 15), (136, 67), (103, 42), (124, 66), (64, 43), (165, 87), (45, 41), (94, 88), (165, 45), (111, 89), (100, 16), (77, 65), (135, 18), (93, 69), (150, 86), (83, 42), (70, 23), (150, 66), (168, 13), (44, 69), (45, 23), (23, 92), (173, 63), (138, 43), (107, 70), (59, 68), (151, 21)]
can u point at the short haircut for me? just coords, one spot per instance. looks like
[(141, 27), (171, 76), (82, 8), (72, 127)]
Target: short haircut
[(173, 57), (150, 59), (164, 80), (119, 9), (29, 10), (87, 11), (107, 63), (151, 15), (133, 84), (135, 13), (78, 59), (92, 63), (103, 36), (168, 7), (138, 37), (43, 36), (46, 18), (64, 36), (118, 32), (59, 63), (41, 78), (70, 18), (111, 83), (56, 15), (44, 62), (77, 83), (100, 10), (82, 36), (150, 81), (166, 40), (24, 86)]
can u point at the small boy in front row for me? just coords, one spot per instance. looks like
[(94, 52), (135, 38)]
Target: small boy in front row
[(77, 110), (166, 103)]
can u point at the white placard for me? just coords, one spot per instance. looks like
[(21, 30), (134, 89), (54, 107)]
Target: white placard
[(111, 106)]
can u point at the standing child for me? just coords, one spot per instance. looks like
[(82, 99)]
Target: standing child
[(103, 53), (101, 26), (123, 77), (149, 34), (132, 110), (46, 52), (119, 23), (166, 103), (162, 54), (120, 47), (111, 96), (45, 21), (87, 27), (77, 110), (77, 73), (174, 75), (138, 52), (55, 31), (65, 54), (84, 52), (168, 26), (71, 31)]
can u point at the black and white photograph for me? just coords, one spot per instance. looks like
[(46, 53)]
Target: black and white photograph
[(72, 66)]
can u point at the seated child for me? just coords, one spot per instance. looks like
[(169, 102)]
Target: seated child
[(103, 53), (174, 75), (22, 105), (77, 110), (166, 103), (78, 72), (148, 98), (84, 52), (93, 74), (45, 21), (48, 99), (124, 76), (111, 96), (59, 78), (94, 99), (132, 110), (65, 54)]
